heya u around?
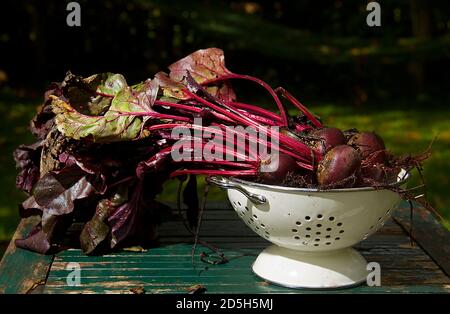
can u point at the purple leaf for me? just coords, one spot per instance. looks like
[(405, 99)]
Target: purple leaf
[(36, 241), (27, 160), (205, 65), (57, 191)]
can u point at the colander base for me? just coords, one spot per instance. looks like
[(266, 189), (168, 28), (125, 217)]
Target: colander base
[(311, 270)]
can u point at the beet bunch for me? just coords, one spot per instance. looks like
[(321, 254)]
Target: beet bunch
[(105, 148)]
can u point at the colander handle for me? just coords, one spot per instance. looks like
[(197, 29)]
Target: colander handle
[(227, 184)]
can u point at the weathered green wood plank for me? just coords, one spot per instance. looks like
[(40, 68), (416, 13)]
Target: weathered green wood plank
[(433, 237), (237, 269), (124, 287), (185, 263), (168, 268), (22, 271), (171, 276)]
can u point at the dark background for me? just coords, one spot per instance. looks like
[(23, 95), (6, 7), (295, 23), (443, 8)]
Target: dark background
[(393, 79), (312, 45)]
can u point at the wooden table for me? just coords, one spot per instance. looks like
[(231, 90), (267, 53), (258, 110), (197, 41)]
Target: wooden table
[(421, 265)]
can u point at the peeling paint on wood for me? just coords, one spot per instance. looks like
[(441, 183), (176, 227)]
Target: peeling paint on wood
[(20, 270), (168, 268), (433, 238)]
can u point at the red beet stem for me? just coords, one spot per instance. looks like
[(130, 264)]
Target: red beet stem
[(274, 95), (302, 127), (227, 111), (225, 163), (192, 109), (285, 140), (280, 149), (257, 110), (299, 105), (206, 129), (259, 119), (153, 114), (212, 172), (178, 106)]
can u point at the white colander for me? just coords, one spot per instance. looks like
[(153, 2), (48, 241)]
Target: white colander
[(312, 230)]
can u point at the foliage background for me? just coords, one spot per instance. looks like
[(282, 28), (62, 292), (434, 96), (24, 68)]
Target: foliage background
[(393, 79)]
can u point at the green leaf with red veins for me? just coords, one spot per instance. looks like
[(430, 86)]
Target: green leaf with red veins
[(121, 122), (147, 93), (171, 89), (108, 83), (205, 65), (93, 95)]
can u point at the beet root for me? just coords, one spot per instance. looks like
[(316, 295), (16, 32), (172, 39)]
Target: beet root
[(370, 146), (274, 169), (339, 168), (379, 174), (329, 138)]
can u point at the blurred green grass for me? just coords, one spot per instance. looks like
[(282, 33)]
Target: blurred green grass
[(15, 115), (404, 129)]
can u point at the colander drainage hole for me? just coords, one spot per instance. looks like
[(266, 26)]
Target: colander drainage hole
[(318, 225), (316, 244), (341, 231), (298, 223), (318, 232), (308, 236), (339, 224), (307, 218), (254, 216), (294, 230), (308, 228), (337, 238), (329, 229), (267, 232), (331, 218), (239, 203), (317, 240), (328, 243), (379, 218), (263, 225), (251, 219), (319, 216), (297, 238), (246, 208), (327, 236)]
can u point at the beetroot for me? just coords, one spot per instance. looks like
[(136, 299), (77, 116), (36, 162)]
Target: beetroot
[(339, 167), (370, 146), (328, 138), (275, 168), (378, 174)]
